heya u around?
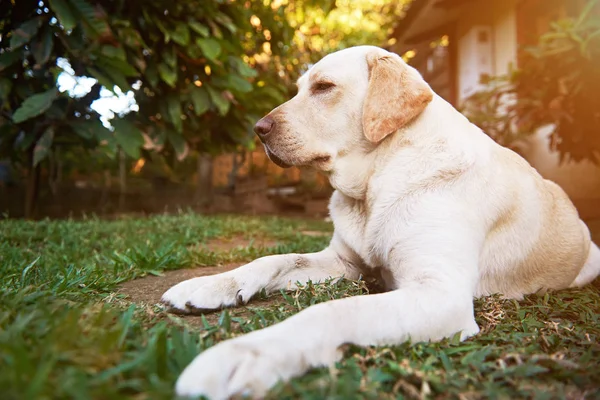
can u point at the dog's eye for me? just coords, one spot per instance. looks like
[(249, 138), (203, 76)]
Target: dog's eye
[(322, 86)]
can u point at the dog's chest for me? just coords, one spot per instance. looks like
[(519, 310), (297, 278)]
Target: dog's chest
[(353, 225)]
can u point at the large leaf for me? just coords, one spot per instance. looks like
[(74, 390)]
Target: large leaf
[(8, 58), (24, 33), (219, 101), (200, 99), (42, 47), (179, 145), (128, 136), (42, 147), (64, 13), (174, 110), (181, 34), (167, 74), (35, 105), (108, 143), (210, 47)]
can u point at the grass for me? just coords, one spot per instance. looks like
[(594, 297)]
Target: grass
[(66, 334)]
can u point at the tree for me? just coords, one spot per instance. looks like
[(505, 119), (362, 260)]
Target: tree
[(185, 61), (557, 85)]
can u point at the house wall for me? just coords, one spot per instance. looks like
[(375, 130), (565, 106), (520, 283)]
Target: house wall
[(500, 18), (508, 19)]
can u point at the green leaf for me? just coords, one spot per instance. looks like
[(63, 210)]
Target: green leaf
[(179, 145), (128, 136), (162, 28), (5, 88), (89, 129), (210, 47), (42, 48), (181, 34), (199, 28), (224, 20), (200, 99), (174, 110), (35, 105), (8, 58), (97, 26), (113, 63), (102, 79), (219, 101), (167, 75), (116, 77), (131, 38), (108, 143), (64, 14), (237, 83), (170, 58), (42, 147), (24, 33), (244, 69), (151, 74), (114, 52)]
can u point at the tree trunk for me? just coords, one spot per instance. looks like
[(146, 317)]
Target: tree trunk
[(204, 185), (122, 179), (33, 188)]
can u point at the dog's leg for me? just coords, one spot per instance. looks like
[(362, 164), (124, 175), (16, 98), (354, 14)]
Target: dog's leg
[(271, 273), (251, 364)]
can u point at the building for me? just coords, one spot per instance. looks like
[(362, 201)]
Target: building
[(484, 37)]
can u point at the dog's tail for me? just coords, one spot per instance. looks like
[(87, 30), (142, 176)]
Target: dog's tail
[(591, 268)]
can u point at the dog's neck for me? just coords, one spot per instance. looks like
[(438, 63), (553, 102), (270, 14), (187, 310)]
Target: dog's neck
[(353, 171)]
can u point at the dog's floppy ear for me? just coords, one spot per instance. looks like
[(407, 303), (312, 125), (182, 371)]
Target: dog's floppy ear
[(395, 96)]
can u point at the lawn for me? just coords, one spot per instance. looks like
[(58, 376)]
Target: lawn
[(68, 330)]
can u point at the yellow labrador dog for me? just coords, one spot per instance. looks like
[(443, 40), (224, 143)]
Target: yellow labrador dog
[(422, 195)]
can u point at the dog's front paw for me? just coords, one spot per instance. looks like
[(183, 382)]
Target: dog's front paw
[(249, 366), (205, 293)]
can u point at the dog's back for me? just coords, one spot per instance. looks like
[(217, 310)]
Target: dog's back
[(537, 240)]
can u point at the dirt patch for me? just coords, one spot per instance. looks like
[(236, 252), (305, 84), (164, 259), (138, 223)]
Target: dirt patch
[(236, 242), (147, 291), (316, 233)]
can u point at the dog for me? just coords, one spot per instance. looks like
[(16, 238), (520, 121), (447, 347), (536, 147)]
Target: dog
[(421, 194)]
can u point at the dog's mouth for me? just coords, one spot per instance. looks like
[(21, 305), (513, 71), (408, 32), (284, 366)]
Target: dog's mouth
[(278, 161), (320, 161)]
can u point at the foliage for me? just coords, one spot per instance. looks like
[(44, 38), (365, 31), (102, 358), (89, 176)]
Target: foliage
[(558, 85), (183, 60), (66, 332), (346, 23)]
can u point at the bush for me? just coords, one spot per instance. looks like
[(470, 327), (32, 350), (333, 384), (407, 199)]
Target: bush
[(557, 85)]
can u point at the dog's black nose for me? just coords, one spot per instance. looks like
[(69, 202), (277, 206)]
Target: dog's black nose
[(264, 126)]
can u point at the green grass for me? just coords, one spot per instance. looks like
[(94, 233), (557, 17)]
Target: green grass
[(64, 333)]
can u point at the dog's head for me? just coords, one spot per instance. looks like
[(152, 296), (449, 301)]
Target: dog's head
[(351, 99)]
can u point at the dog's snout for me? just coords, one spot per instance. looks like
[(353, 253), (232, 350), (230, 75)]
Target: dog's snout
[(264, 126)]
